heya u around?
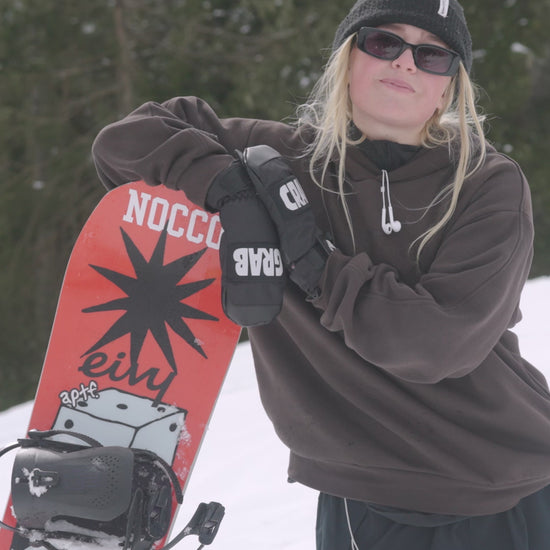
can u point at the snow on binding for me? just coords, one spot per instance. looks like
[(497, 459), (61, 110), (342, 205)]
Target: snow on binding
[(137, 356)]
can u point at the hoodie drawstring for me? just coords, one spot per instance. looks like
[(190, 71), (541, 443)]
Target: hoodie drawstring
[(388, 223), (354, 545)]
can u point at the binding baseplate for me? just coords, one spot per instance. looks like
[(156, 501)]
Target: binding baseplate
[(84, 491)]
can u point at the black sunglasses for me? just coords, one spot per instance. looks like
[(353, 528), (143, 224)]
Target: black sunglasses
[(389, 46)]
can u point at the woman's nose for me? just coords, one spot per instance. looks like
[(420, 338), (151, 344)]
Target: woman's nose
[(405, 61)]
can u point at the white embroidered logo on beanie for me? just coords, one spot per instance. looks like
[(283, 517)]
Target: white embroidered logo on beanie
[(443, 8)]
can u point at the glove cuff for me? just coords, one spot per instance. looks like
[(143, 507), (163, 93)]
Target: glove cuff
[(306, 272), (232, 183)]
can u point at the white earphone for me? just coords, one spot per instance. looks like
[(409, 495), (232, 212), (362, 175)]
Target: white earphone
[(393, 225)]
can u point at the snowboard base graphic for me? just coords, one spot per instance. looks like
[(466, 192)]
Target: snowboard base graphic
[(140, 345)]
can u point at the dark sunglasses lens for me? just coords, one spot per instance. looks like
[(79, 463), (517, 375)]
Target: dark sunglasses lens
[(382, 45), (434, 60)]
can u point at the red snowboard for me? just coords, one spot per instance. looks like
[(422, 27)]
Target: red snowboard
[(140, 345)]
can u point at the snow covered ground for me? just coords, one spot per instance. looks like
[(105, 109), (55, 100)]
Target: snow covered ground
[(242, 464)]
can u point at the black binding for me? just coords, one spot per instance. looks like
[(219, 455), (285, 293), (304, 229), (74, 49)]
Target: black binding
[(136, 534)]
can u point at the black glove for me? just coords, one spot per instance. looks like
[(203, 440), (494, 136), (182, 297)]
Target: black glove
[(305, 250), (252, 269)]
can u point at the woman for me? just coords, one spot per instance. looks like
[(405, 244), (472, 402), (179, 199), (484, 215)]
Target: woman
[(394, 380)]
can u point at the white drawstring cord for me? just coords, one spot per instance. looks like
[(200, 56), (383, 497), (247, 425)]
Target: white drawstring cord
[(354, 545), (443, 8), (388, 223)]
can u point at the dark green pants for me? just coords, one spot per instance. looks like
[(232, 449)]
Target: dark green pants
[(524, 527)]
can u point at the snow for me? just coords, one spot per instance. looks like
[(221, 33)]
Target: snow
[(101, 540), (242, 464), (34, 489)]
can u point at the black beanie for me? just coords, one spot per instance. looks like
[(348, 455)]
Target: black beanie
[(443, 18)]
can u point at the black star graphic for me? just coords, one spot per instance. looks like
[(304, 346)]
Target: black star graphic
[(153, 300)]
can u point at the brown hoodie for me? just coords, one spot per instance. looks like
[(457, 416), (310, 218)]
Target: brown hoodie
[(401, 384)]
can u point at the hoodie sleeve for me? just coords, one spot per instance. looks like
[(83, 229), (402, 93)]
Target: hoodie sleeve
[(180, 143), (447, 324)]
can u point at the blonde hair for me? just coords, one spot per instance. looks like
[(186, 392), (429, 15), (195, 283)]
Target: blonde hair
[(329, 112)]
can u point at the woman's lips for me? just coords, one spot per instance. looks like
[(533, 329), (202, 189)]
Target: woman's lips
[(398, 85)]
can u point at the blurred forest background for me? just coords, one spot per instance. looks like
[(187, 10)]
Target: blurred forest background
[(69, 68)]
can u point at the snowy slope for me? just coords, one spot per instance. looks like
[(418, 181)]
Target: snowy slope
[(243, 465)]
